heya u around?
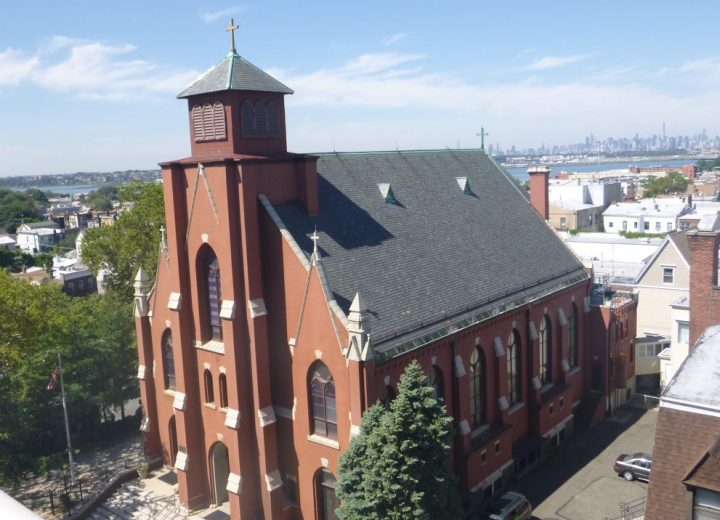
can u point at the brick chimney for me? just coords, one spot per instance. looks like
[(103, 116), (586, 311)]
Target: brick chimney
[(539, 190), (704, 242)]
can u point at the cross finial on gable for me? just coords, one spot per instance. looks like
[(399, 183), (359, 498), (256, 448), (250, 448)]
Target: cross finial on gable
[(231, 29), (315, 238), (483, 134)]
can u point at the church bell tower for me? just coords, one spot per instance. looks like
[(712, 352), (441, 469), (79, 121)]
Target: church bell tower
[(236, 109)]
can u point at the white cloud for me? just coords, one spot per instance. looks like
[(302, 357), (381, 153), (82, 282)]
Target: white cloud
[(552, 62), (437, 109), (90, 69), (15, 67), (212, 16), (389, 40)]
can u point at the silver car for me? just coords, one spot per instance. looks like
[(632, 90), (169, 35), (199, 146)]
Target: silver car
[(637, 465), (510, 506)]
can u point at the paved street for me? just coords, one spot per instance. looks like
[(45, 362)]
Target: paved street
[(578, 483)]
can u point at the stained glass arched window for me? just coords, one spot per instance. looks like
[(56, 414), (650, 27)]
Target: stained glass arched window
[(478, 396), (322, 395), (437, 382), (168, 356), (513, 368), (213, 293), (573, 336), (545, 350)]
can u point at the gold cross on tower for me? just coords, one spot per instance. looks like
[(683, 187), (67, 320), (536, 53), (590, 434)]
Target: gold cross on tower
[(231, 29)]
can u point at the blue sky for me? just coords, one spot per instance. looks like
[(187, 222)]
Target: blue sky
[(89, 85)]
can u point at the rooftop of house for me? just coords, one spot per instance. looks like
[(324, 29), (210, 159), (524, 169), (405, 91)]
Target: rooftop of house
[(427, 240), (234, 72), (572, 205), (660, 207), (696, 381)]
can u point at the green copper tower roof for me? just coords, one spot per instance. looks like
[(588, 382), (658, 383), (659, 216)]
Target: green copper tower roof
[(234, 73)]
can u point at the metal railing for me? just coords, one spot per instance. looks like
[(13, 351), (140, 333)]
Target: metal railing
[(631, 510)]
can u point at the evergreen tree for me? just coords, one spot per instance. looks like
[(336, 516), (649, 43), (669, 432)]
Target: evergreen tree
[(398, 467)]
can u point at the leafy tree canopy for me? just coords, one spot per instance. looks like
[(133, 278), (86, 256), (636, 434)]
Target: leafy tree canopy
[(673, 182), (103, 197), (707, 165), (18, 207), (131, 242), (399, 466), (95, 337)]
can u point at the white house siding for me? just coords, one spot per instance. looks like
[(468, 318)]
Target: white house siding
[(656, 297)]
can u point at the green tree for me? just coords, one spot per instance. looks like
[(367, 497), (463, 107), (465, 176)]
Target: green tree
[(672, 182), (131, 242), (707, 165), (95, 337), (17, 207), (399, 467), (102, 198)]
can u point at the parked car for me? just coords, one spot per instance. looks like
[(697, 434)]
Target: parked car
[(637, 465), (510, 506)]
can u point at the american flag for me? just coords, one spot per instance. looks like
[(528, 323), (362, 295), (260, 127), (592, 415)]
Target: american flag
[(53, 378)]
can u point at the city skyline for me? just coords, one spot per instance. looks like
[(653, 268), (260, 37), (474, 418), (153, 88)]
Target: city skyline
[(91, 87)]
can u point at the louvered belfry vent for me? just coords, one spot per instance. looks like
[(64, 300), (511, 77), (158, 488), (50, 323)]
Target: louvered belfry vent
[(260, 119), (208, 122)]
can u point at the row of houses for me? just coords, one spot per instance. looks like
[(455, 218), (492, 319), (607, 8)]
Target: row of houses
[(610, 206)]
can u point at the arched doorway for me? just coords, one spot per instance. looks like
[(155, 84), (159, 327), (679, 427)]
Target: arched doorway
[(220, 464), (173, 442)]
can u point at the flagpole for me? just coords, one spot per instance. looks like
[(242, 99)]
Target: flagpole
[(67, 426)]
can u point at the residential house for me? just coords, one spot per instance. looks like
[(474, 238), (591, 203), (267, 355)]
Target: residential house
[(685, 481), (8, 241), (37, 240), (664, 280), (647, 215)]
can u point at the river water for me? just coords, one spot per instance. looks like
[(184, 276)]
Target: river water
[(521, 173)]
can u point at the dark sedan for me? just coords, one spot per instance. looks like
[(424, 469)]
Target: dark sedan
[(633, 466)]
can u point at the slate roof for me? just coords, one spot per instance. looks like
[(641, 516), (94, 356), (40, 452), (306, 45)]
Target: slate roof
[(439, 258), (234, 72)]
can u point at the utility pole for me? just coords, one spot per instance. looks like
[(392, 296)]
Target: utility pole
[(67, 425)]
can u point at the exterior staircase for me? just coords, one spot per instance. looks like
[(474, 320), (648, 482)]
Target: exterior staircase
[(131, 501), (586, 410)]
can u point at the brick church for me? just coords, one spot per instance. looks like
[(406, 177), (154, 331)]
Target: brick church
[(292, 290)]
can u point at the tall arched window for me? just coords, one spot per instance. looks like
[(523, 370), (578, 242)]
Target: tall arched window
[(478, 376), (209, 390), (322, 391), (573, 339), (545, 350), (247, 119), (273, 119), (389, 395), (168, 360), (327, 500), (260, 119), (213, 294), (437, 382), (513, 368), (223, 391)]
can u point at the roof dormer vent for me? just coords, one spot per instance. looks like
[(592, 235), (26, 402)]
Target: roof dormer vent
[(464, 185), (387, 192)]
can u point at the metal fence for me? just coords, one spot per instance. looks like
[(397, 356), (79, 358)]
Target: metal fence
[(60, 496), (631, 510)]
